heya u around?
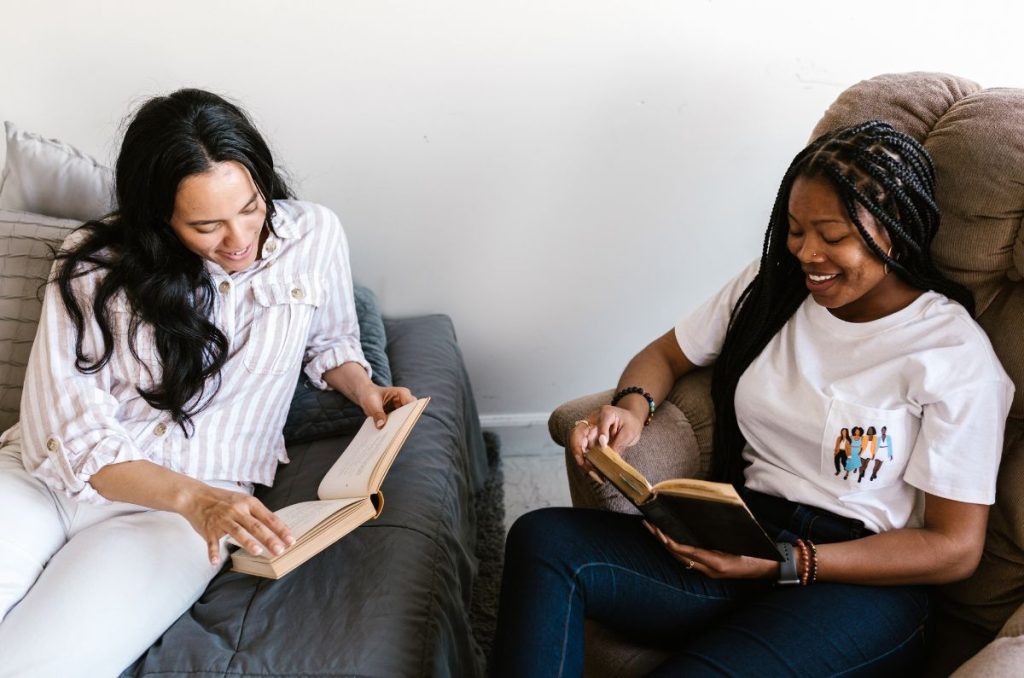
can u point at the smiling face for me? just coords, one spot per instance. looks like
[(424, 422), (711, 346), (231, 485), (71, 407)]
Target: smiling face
[(219, 215), (840, 272)]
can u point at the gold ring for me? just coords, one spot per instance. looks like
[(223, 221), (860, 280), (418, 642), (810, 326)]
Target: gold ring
[(689, 564), (581, 421)]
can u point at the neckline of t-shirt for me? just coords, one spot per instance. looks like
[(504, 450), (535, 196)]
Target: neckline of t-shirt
[(822, 317)]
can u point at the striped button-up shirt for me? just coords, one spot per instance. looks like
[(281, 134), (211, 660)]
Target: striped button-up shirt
[(292, 308)]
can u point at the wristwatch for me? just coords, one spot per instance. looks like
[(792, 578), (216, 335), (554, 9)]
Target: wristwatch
[(787, 568)]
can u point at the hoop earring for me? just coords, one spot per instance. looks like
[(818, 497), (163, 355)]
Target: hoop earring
[(885, 264)]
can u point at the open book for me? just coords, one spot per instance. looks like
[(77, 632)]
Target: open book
[(695, 512), (349, 496)]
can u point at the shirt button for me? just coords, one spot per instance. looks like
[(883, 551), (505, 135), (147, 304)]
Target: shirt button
[(160, 429), (52, 444), (297, 293), (225, 287)]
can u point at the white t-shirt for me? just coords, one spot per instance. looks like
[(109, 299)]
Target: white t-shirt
[(927, 373)]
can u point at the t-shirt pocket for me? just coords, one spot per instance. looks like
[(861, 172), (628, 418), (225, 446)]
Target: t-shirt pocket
[(283, 313), (866, 446)]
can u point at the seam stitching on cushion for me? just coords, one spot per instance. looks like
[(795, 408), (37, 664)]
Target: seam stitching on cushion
[(241, 628), (431, 603)]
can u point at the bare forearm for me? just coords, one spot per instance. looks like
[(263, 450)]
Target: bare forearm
[(655, 369), (145, 484), (212, 512), (946, 551), (349, 379), (907, 556), (376, 401)]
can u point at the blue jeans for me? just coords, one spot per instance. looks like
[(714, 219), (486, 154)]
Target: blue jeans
[(565, 565)]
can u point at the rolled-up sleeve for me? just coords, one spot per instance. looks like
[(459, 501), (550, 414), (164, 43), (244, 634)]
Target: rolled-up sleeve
[(69, 426), (334, 332)]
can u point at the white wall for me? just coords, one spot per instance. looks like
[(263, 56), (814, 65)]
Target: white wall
[(565, 179)]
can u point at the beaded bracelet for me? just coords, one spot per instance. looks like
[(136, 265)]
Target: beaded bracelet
[(805, 569), (639, 391), (814, 561)]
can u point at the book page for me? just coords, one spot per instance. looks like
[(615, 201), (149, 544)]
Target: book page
[(304, 516), (627, 479), (369, 455), (700, 489)]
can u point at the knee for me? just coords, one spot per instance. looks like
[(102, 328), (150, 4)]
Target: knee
[(541, 535)]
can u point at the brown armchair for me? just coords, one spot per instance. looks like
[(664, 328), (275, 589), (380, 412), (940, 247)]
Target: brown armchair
[(976, 138)]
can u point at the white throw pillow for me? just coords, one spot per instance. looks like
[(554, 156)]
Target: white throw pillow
[(45, 176), (25, 262)]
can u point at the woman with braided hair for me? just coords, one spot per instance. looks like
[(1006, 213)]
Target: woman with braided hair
[(845, 271)]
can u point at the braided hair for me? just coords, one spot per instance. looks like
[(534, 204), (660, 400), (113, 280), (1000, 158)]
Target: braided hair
[(873, 167)]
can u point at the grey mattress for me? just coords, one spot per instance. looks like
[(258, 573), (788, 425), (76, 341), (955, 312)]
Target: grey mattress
[(391, 598)]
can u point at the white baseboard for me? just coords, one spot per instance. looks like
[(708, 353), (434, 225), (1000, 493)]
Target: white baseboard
[(520, 420)]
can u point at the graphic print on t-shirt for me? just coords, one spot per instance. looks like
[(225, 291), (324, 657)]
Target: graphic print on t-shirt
[(859, 446), (859, 451)]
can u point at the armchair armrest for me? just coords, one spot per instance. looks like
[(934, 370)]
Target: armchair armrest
[(671, 447), (1003, 656)]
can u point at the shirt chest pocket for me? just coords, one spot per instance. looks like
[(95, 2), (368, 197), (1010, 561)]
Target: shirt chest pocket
[(282, 313), (866, 447)]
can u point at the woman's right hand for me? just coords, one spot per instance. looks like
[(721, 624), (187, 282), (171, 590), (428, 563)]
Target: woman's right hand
[(616, 427), (214, 513)]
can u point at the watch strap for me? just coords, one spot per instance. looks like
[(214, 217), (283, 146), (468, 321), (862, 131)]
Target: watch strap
[(787, 568)]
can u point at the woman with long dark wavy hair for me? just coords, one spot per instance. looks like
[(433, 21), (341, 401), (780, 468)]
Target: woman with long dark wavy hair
[(845, 271), (171, 338)]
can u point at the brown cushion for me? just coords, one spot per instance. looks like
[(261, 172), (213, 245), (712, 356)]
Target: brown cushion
[(910, 102), (996, 590), (667, 449), (692, 395)]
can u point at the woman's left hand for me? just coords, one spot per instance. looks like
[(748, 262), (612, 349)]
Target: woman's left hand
[(716, 564), (376, 401)]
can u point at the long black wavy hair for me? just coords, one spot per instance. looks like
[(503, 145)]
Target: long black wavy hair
[(871, 166), (167, 286)]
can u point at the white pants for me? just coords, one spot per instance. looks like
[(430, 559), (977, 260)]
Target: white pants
[(85, 589)]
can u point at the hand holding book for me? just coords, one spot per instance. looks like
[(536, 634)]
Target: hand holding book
[(716, 564), (610, 425), (695, 513), (349, 495)]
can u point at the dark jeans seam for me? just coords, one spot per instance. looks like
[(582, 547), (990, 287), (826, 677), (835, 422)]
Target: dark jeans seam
[(572, 592), (565, 632), (579, 569)]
